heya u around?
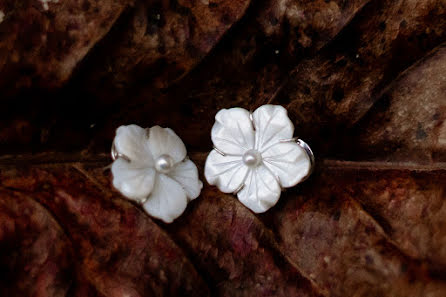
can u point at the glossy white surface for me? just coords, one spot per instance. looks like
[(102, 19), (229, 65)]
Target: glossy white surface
[(164, 164), (255, 156), (151, 168), (252, 158)]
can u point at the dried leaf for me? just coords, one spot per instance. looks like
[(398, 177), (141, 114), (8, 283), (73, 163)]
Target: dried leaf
[(363, 82), (343, 249), (119, 250), (36, 255), (42, 41)]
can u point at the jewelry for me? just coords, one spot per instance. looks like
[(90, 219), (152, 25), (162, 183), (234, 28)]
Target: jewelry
[(255, 155), (151, 167)]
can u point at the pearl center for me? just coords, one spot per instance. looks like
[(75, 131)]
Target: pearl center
[(252, 158), (164, 163)]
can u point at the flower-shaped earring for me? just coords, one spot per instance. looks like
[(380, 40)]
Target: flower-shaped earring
[(255, 155), (150, 167)]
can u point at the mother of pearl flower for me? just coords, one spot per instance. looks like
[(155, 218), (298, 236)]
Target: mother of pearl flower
[(150, 167), (255, 155)]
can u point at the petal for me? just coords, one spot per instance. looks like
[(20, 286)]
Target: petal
[(272, 124), (131, 141), (163, 141), (186, 174), (168, 200), (261, 190), (232, 132), (226, 172), (288, 161), (132, 180)]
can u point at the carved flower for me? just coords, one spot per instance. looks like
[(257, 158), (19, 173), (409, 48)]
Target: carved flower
[(255, 155), (151, 168)]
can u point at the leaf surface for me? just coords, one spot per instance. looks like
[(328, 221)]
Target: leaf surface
[(363, 83)]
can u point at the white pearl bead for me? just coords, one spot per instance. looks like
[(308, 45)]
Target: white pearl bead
[(252, 158), (164, 163)]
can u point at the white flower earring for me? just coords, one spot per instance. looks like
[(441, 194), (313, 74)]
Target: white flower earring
[(255, 155), (150, 167)]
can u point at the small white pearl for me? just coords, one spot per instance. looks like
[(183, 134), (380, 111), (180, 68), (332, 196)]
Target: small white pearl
[(164, 163), (252, 158)]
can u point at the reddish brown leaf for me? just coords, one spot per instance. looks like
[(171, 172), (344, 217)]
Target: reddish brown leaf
[(248, 70), (164, 40), (36, 257), (409, 122), (363, 82), (41, 41), (342, 248), (339, 85), (119, 250), (409, 206), (237, 252)]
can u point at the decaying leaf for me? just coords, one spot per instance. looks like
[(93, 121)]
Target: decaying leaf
[(118, 249), (364, 83), (36, 256), (42, 41), (345, 249), (408, 124)]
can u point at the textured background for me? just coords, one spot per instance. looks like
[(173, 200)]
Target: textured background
[(364, 82)]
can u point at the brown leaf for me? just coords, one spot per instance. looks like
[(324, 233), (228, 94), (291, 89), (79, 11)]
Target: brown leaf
[(363, 82), (237, 252), (338, 86), (408, 205), (119, 250), (41, 41), (344, 249), (36, 256), (248, 70), (164, 41), (409, 122)]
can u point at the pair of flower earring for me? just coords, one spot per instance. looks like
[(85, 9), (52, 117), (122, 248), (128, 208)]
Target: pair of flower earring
[(255, 156)]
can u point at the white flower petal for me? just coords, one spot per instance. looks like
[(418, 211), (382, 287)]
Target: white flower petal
[(186, 174), (226, 172), (261, 191), (288, 161), (232, 132), (132, 180), (163, 141), (167, 201), (272, 124), (132, 142)]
